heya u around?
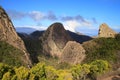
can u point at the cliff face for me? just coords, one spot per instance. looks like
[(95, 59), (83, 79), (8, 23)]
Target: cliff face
[(9, 35), (106, 31), (57, 42), (73, 53), (54, 39)]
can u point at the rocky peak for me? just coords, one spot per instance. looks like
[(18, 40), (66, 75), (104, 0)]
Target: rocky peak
[(73, 53), (54, 39), (9, 35), (106, 31), (57, 42)]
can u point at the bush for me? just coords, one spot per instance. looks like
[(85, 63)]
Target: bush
[(64, 75), (99, 67), (42, 72), (80, 72), (39, 71), (51, 73), (22, 73), (3, 69)]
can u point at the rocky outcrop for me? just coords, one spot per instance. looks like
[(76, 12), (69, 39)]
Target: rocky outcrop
[(106, 31), (73, 53), (9, 35), (57, 42), (54, 39)]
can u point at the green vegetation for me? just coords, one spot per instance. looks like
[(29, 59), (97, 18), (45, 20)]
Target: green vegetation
[(10, 55), (34, 47), (55, 62), (103, 48), (43, 72)]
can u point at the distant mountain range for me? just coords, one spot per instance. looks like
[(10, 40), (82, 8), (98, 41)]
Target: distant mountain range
[(25, 30)]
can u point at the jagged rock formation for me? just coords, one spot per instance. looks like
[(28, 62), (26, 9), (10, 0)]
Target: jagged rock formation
[(54, 39), (9, 35), (73, 53), (106, 31), (57, 42)]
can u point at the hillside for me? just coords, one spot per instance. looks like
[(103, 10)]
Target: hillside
[(11, 55), (8, 34), (103, 48)]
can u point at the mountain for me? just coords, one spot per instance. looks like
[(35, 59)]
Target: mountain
[(106, 31), (25, 30), (32, 43), (9, 35), (57, 42), (36, 34), (54, 39), (79, 37)]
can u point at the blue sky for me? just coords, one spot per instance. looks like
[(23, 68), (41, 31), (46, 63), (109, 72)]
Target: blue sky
[(82, 16)]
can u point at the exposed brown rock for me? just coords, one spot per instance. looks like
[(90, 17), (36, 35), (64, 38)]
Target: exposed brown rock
[(73, 53), (54, 39), (106, 31), (9, 35), (57, 42)]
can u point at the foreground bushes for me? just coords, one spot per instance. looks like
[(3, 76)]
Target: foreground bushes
[(42, 72)]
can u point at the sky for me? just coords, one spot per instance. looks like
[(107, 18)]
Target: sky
[(83, 16)]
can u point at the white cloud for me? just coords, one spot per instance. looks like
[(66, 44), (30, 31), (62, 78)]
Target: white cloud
[(36, 15), (72, 25)]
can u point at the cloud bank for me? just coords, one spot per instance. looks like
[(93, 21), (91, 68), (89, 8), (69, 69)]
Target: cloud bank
[(71, 23)]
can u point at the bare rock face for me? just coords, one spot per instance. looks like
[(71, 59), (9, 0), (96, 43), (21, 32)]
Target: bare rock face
[(106, 31), (9, 35), (56, 42), (54, 39), (73, 53)]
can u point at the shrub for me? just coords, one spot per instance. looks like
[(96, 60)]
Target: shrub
[(64, 75), (3, 69), (22, 73), (39, 71), (99, 67)]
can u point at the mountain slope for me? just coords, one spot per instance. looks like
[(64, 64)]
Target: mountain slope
[(11, 55), (79, 37), (103, 48), (9, 35)]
